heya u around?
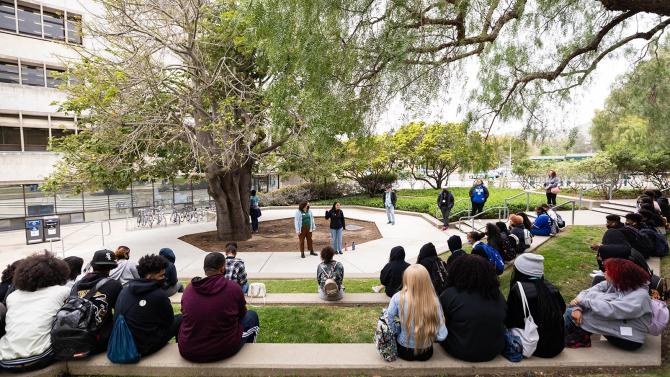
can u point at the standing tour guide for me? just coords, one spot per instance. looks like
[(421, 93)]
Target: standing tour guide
[(445, 201), (478, 196)]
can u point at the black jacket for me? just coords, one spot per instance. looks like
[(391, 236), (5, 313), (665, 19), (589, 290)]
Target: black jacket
[(148, 313), (170, 270), (391, 275), (336, 218), (105, 300), (394, 198), (551, 330), (437, 268), (624, 234), (445, 200), (518, 231), (476, 325)]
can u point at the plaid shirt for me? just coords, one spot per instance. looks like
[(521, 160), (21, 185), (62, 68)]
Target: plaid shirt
[(235, 270)]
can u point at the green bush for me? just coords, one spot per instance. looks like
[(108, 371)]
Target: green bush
[(295, 194)]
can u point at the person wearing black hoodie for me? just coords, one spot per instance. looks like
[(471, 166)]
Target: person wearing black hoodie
[(172, 284), (391, 275), (204, 337), (437, 268), (105, 297), (456, 248), (147, 308)]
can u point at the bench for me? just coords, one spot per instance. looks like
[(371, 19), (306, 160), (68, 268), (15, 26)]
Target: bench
[(265, 359), (302, 299)]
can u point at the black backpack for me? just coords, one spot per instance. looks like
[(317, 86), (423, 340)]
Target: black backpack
[(659, 242), (76, 327)]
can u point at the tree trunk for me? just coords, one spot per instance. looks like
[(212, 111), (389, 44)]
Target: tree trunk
[(230, 191)]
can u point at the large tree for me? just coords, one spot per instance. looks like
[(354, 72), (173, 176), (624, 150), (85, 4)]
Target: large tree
[(204, 86)]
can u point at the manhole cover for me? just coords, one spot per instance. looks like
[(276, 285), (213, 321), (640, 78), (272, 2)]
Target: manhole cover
[(353, 227)]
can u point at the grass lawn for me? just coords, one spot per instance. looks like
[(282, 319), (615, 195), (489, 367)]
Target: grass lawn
[(309, 285)]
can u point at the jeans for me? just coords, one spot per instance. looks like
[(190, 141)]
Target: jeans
[(336, 239), (245, 288), (445, 215), (254, 223), (551, 198), (390, 213), (477, 208), (249, 327)]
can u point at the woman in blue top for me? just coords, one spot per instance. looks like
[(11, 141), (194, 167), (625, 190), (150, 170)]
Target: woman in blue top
[(304, 226), (422, 319), (542, 224), (254, 211)]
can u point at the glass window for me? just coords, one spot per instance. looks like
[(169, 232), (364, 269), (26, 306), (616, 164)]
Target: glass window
[(74, 29), (32, 75), (35, 139), (9, 72), (10, 139), (53, 78), (7, 16), (59, 132), (54, 25), (30, 21)]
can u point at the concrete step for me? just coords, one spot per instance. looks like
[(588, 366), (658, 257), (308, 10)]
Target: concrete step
[(262, 359), (610, 211), (619, 207), (311, 299)]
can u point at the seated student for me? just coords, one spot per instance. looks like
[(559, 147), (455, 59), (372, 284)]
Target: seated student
[(147, 308), (74, 264), (455, 247), (391, 275), (204, 337), (544, 301), (329, 276), (517, 229), (126, 270), (648, 197), (474, 310), (485, 251), (6, 285), (419, 314), (172, 284), (652, 218), (500, 242), (104, 298), (554, 218), (235, 269), (618, 308), (437, 268), (663, 204), (542, 224), (31, 309), (658, 241), (617, 233), (526, 220)]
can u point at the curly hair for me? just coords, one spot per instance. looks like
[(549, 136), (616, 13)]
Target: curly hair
[(327, 254), (8, 273), (151, 264), (74, 264), (473, 274), (40, 270), (625, 275)]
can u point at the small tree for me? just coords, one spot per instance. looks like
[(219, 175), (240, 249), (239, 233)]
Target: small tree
[(369, 162)]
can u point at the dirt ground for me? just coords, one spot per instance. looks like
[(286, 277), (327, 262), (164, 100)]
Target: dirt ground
[(280, 236)]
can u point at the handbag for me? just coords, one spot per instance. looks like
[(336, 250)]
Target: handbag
[(555, 190), (659, 317), (385, 338), (528, 334), (257, 290)]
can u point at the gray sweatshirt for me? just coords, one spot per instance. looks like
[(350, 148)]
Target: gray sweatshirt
[(550, 183), (124, 272), (607, 311)]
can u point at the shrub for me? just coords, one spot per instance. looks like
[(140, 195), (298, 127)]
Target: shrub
[(292, 195), (375, 183)]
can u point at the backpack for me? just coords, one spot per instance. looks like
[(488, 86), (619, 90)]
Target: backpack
[(527, 237), (658, 240), (493, 257), (122, 348), (659, 317), (75, 329), (658, 288), (559, 220), (330, 287), (518, 249), (385, 339), (508, 251)]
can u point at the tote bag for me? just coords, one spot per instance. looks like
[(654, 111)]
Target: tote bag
[(528, 334), (385, 338)]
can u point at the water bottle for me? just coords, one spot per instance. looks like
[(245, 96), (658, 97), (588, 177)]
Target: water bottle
[(353, 246)]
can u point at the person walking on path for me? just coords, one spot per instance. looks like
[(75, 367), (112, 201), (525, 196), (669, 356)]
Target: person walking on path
[(445, 201), (551, 187), (478, 196), (304, 226), (254, 211), (337, 225), (390, 199)]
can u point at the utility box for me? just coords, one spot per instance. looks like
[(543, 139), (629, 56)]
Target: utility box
[(34, 231), (51, 228)]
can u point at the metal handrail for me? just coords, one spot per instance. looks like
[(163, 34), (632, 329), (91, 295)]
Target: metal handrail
[(438, 212), (101, 235), (525, 192), (574, 202), (472, 218)]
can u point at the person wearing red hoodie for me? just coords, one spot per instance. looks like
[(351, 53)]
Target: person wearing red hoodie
[(204, 337)]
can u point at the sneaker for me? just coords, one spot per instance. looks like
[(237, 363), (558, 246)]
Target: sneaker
[(312, 253), (341, 252), (388, 222)]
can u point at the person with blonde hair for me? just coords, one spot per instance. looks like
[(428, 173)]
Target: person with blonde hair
[(420, 319)]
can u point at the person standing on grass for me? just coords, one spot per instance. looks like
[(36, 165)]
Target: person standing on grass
[(204, 337), (478, 196), (254, 211), (304, 226), (551, 187), (419, 314), (445, 201), (390, 199), (337, 225)]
